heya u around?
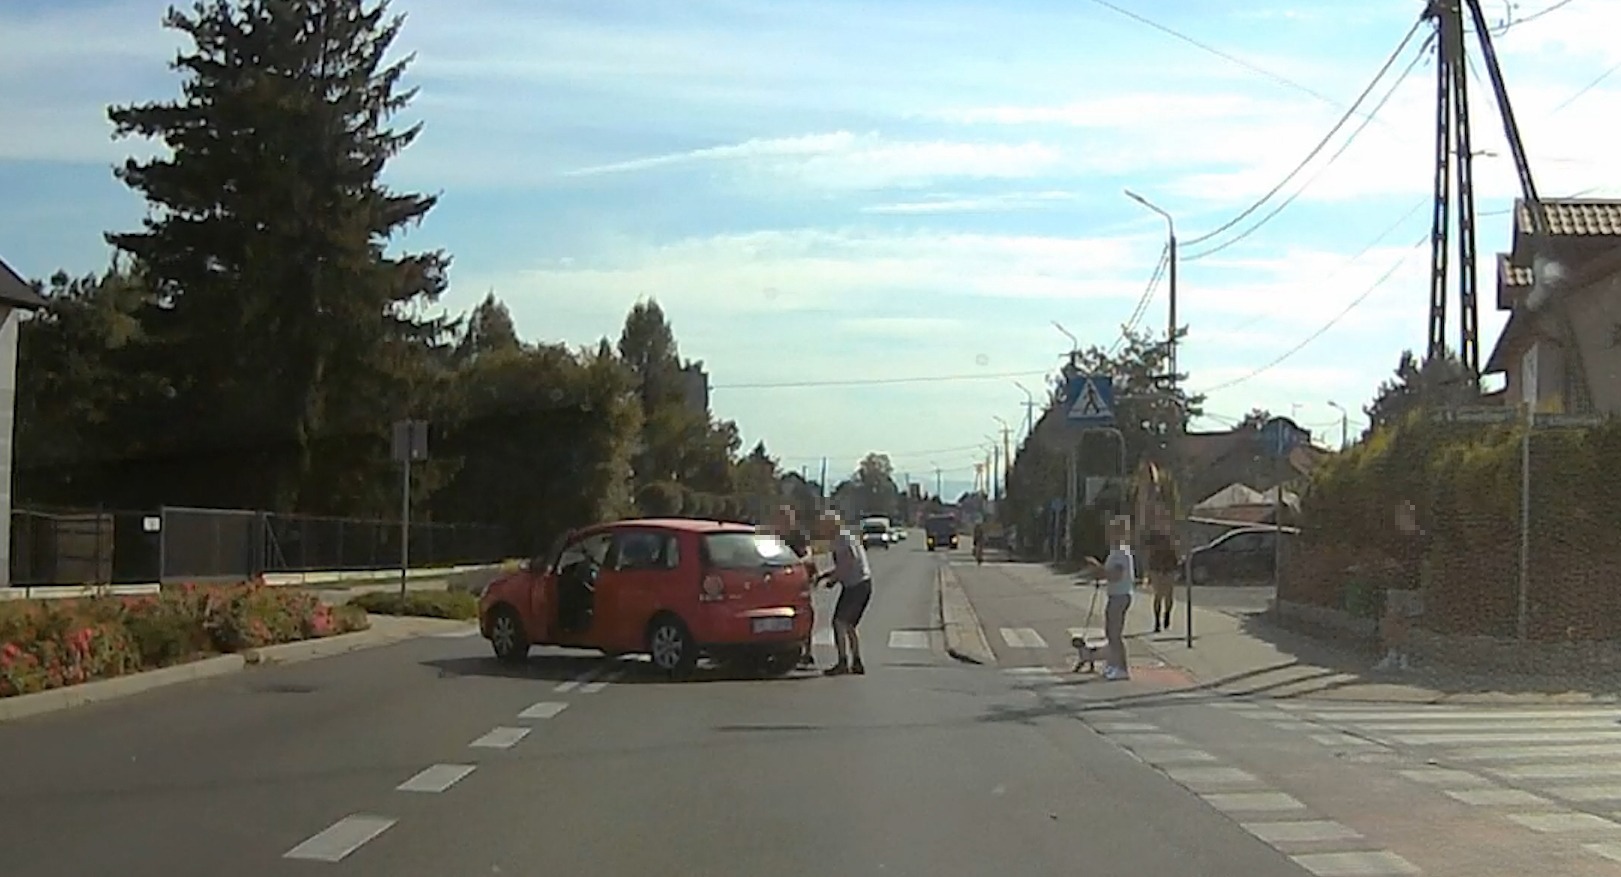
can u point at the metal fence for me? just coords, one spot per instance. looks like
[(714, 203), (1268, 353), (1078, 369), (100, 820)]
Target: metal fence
[(173, 544)]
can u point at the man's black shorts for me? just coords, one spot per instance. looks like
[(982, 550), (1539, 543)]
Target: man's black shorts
[(852, 603)]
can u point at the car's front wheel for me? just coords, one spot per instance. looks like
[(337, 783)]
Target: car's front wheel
[(671, 647), (507, 636)]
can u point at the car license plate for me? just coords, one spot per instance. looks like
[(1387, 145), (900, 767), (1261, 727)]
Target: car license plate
[(773, 625)]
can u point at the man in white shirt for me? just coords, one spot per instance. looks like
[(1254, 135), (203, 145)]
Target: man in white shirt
[(852, 572)]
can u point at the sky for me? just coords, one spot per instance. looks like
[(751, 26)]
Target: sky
[(826, 195)]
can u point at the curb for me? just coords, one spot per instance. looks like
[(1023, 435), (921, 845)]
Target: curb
[(25, 705), (965, 637), (325, 647)]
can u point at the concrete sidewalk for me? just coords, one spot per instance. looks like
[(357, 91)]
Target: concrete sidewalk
[(1238, 650)]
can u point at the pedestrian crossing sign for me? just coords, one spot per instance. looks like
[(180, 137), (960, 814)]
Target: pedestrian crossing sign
[(1090, 400)]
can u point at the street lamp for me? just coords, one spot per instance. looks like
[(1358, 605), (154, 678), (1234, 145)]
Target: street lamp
[(1074, 343), (1345, 424), (1029, 408), (1170, 226)]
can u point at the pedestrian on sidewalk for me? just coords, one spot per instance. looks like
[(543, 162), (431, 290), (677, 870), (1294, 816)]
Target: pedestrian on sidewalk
[(1162, 565), (1119, 571), (853, 574)]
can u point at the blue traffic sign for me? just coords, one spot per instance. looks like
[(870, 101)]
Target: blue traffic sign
[(1089, 400)]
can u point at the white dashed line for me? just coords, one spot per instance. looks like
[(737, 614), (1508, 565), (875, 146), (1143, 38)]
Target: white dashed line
[(436, 778), (1562, 823), (546, 709), (500, 738), (1023, 638), (1300, 831), (1362, 863), (340, 839), (1252, 802), (581, 679), (1497, 797), (908, 639), (598, 685), (457, 634)]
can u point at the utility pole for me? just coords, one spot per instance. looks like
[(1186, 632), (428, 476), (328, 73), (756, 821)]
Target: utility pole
[(1345, 424), (939, 485)]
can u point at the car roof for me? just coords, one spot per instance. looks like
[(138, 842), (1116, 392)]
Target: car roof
[(687, 525)]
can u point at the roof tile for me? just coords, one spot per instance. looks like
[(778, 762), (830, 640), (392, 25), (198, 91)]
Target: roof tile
[(1576, 218)]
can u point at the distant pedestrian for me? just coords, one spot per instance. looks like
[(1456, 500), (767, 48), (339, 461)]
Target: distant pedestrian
[(853, 574), (1162, 566), (1119, 570)]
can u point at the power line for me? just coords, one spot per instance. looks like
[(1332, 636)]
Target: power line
[(1225, 56), (1513, 22), (1356, 302), (1345, 146), (1582, 92), (1321, 144), (870, 382), (1142, 301)]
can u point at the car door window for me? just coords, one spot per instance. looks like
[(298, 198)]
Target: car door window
[(646, 550), (594, 547)]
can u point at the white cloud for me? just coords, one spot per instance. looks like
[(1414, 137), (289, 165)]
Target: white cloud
[(842, 160), (1005, 202)]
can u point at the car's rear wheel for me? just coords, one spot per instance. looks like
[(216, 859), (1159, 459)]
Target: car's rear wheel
[(507, 636), (671, 646)]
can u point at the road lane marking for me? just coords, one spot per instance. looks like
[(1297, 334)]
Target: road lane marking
[(1530, 737), (1209, 779), (1023, 638), (1559, 823), (908, 639), (340, 839), (1252, 802), (1441, 776), (1163, 757), (546, 709), (581, 679), (1362, 863), (1557, 770), (1300, 831), (1497, 797), (500, 738), (456, 634), (437, 778), (598, 685), (1125, 727)]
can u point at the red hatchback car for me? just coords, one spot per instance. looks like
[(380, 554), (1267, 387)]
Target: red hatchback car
[(673, 588)]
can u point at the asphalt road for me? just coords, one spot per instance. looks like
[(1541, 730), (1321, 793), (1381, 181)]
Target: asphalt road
[(577, 764)]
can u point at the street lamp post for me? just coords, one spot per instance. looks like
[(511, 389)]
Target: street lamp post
[(1345, 424), (1029, 408), (1170, 227)]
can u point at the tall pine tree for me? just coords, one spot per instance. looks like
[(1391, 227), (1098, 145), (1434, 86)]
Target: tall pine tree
[(294, 335)]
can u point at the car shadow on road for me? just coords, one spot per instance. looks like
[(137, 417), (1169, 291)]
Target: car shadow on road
[(586, 668)]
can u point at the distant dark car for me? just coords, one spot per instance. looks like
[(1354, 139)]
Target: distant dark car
[(1243, 554), (940, 532)]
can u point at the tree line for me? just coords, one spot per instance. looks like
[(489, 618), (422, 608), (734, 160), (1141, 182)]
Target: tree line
[(260, 332)]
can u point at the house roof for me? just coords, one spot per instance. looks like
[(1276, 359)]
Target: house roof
[(16, 292), (1570, 219)]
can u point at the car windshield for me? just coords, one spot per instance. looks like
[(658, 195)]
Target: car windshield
[(747, 550), (874, 527)]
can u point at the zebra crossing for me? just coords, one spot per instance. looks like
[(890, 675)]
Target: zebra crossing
[(897, 639), (1553, 770), (1322, 846)]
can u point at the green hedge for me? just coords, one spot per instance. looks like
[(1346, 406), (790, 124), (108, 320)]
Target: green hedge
[(458, 605), (1464, 480)]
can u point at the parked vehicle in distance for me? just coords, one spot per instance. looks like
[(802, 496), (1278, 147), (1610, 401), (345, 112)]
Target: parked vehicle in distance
[(674, 589), (940, 531), (1242, 554), (875, 531)]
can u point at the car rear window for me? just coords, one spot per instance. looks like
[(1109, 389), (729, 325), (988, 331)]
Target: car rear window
[(747, 550)]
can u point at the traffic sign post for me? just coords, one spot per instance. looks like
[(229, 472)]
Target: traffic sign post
[(410, 444), (1089, 400)]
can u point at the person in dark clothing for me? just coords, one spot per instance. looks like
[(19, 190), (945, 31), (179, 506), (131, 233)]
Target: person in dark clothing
[(1162, 564), (786, 526)]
